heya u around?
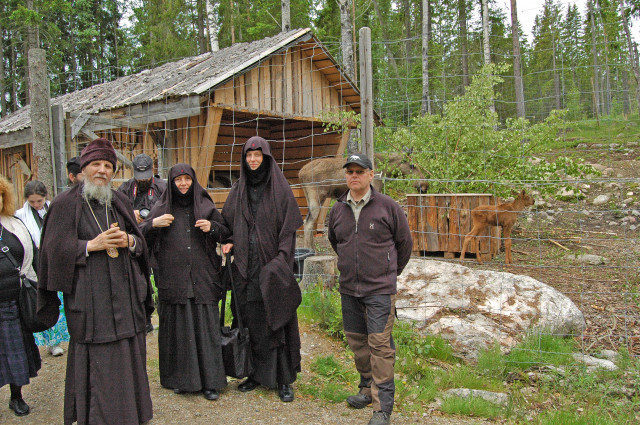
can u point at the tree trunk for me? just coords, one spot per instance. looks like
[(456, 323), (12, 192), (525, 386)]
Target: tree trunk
[(286, 15), (485, 32), (3, 100), (14, 83), (212, 24), (200, 14), (517, 73), (626, 104), (346, 44), (385, 35), (407, 32), (32, 43), (596, 79), (556, 77), (39, 88), (426, 102), (233, 30), (634, 63), (462, 21)]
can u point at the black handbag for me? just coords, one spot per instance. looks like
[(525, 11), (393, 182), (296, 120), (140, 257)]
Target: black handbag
[(236, 347), (28, 298)]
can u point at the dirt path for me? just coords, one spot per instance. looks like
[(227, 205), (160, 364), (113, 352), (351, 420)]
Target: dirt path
[(45, 396)]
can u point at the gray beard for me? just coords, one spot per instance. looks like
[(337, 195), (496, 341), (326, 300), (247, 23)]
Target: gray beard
[(101, 194)]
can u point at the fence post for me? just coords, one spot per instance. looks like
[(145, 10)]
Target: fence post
[(58, 139), (40, 124), (366, 92)]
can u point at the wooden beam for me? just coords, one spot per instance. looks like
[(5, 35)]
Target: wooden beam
[(208, 144), (78, 124), (16, 138)]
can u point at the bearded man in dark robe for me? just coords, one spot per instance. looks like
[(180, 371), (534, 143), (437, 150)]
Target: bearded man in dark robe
[(263, 215), (183, 230), (93, 251)]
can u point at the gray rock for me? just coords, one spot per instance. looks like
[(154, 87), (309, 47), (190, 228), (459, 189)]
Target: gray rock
[(582, 146), (614, 145), (490, 396), (594, 363), (601, 199), (590, 259), (598, 167), (473, 309), (612, 223), (635, 213), (633, 227), (609, 355), (627, 201)]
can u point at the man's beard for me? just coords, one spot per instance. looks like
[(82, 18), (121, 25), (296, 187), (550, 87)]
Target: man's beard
[(143, 185), (93, 192)]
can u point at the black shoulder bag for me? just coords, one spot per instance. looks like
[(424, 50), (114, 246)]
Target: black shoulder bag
[(236, 347), (28, 298)]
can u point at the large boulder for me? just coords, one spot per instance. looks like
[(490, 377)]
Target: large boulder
[(473, 309)]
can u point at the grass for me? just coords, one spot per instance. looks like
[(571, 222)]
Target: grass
[(471, 406), (545, 384)]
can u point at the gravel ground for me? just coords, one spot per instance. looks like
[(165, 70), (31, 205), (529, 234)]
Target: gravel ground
[(45, 396)]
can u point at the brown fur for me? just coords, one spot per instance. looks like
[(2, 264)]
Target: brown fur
[(504, 215), (323, 179)]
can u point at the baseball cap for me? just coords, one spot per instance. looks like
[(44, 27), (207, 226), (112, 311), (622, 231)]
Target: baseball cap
[(142, 167), (359, 159)]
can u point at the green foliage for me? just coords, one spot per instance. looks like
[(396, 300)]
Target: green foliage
[(572, 417), (471, 406), (323, 307), (331, 380), (541, 348), (339, 120), (464, 150)]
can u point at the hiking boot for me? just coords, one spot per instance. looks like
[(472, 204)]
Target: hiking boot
[(380, 418), (359, 401)]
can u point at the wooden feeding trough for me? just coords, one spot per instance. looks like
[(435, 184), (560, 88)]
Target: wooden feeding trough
[(439, 222)]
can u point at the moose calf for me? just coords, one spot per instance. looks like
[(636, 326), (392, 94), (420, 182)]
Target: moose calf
[(504, 215)]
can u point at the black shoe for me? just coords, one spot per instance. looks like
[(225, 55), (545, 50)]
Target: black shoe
[(149, 328), (359, 401), (380, 418), (178, 391), (248, 385), (211, 394), (19, 407), (285, 392)]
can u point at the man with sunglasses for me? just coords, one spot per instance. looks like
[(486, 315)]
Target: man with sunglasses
[(370, 233)]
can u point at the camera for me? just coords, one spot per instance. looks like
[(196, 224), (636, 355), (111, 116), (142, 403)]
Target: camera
[(144, 212)]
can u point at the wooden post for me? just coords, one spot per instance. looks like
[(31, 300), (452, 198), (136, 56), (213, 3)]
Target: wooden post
[(366, 92), (58, 140), (40, 126)]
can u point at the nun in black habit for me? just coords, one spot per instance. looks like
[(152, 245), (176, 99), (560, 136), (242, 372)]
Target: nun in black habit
[(182, 230), (263, 216)]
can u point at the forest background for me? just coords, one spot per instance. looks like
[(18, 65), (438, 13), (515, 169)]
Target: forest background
[(579, 56)]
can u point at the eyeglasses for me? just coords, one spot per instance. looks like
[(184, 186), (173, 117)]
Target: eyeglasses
[(358, 172)]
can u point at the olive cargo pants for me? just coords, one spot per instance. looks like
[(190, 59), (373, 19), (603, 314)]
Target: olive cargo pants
[(368, 322)]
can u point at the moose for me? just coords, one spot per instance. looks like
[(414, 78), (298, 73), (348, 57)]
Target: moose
[(323, 179), (503, 214)]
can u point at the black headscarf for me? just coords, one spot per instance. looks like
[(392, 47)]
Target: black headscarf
[(202, 203), (278, 216)]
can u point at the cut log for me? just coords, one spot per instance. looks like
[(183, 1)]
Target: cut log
[(320, 269)]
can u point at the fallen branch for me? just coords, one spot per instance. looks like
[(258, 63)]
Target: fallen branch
[(558, 244)]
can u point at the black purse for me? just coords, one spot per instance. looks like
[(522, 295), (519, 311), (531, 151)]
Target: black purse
[(28, 298), (236, 347)]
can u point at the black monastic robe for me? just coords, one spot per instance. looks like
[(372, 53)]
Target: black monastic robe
[(105, 303)]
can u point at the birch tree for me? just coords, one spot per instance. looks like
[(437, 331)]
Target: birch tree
[(517, 72), (286, 15), (632, 59), (212, 24), (426, 102)]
